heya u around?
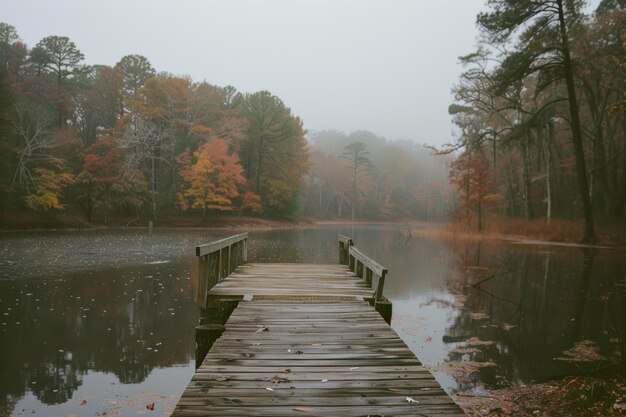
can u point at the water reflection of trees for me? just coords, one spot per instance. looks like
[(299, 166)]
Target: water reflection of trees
[(539, 303), (127, 321)]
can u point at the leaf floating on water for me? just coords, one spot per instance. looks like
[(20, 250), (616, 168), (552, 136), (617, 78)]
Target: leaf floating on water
[(479, 316), (475, 341), (583, 351), (303, 409), (411, 400)]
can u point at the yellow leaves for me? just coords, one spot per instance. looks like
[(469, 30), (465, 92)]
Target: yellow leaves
[(213, 177), (49, 185)]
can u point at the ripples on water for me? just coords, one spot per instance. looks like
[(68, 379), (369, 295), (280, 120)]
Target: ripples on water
[(95, 322)]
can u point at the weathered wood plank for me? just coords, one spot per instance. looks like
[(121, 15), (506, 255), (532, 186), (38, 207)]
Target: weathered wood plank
[(322, 359)]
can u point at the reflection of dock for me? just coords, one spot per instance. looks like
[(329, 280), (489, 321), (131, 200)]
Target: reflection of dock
[(301, 339)]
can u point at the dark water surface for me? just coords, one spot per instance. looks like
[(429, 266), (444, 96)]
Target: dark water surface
[(102, 323)]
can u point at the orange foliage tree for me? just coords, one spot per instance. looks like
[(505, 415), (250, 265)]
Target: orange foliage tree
[(471, 174), (213, 177)]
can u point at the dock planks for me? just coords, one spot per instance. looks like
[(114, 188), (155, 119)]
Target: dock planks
[(286, 279), (333, 357)]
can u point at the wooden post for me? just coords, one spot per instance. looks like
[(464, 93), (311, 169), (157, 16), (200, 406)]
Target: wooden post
[(368, 277), (219, 265), (381, 285), (385, 309), (203, 276), (206, 335), (228, 263)]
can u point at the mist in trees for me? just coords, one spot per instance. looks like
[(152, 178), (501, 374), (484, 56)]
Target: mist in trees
[(126, 142), (363, 176), (542, 100)]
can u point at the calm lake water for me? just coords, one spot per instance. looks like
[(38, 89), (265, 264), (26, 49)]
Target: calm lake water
[(102, 323)]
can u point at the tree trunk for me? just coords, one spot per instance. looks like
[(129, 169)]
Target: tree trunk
[(548, 152), (581, 170)]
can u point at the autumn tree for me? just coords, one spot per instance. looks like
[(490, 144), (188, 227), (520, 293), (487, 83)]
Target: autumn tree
[(147, 145), (49, 184), (105, 182), (542, 32), (470, 173), (213, 177)]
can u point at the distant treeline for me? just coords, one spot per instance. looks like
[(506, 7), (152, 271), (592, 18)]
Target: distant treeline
[(129, 142), (540, 111)]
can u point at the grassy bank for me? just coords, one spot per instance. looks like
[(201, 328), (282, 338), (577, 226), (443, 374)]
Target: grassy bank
[(609, 233)]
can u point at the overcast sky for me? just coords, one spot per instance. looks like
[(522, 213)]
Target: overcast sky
[(386, 66)]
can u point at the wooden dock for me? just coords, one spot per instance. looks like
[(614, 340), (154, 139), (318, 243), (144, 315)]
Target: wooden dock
[(304, 340)]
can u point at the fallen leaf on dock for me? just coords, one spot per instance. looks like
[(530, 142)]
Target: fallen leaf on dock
[(262, 329), (276, 379), (150, 406), (269, 389), (324, 380), (411, 400), (352, 369), (394, 389), (302, 409)]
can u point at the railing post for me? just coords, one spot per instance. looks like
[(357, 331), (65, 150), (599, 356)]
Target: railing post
[(368, 277), (381, 286), (344, 249), (203, 276), (228, 270)]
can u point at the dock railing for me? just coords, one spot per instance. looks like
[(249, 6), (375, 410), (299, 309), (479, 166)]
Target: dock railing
[(345, 243), (368, 269), (217, 260), (362, 265)]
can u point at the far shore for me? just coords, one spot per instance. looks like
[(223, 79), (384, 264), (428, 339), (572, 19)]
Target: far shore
[(559, 232)]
